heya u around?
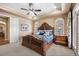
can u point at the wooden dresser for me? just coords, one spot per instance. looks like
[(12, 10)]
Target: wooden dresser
[(62, 40)]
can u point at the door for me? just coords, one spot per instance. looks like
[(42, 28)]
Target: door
[(14, 30)]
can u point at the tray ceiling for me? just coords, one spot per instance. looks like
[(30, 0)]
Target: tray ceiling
[(45, 7)]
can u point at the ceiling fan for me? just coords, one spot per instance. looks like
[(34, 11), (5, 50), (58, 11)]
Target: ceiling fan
[(31, 9)]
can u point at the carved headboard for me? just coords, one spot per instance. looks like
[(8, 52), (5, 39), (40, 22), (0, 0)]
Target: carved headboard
[(46, 26)]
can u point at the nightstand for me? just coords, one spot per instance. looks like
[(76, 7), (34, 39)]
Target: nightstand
[(62, 40)]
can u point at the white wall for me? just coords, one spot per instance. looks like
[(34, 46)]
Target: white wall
[(26, 32), (29, 23)]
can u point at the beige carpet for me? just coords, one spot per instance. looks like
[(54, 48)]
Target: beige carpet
[(18, 50)]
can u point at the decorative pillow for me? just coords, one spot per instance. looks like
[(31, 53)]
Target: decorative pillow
[(48, 32), (41, 32)]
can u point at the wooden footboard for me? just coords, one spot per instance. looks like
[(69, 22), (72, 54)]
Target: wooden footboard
[(35, 44)]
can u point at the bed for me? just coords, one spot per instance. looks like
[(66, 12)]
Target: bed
[(41, 40)]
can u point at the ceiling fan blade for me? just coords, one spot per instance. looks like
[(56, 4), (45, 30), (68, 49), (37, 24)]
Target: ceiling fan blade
[(24, 9), (35, 13), (28, 13), (37, 10)]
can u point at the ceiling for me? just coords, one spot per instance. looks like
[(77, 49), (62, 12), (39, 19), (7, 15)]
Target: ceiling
[(45, 7)]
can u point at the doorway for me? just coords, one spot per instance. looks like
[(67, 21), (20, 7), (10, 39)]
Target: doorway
[(4, 30)]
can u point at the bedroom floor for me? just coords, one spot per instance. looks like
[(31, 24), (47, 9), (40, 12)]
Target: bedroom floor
[(18, 50)]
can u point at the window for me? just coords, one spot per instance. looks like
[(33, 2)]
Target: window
[(59, 26)]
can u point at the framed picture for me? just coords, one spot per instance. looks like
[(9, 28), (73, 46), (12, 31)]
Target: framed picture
[(24, 27)]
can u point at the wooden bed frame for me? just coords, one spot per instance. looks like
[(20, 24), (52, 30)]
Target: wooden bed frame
[(38, 44), (35, 44)]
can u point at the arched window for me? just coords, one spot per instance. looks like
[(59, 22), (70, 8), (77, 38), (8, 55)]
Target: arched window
[(59, 26)]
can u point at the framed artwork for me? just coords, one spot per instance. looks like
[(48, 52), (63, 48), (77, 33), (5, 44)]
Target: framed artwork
[(24, 27)]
